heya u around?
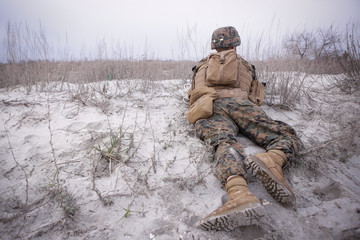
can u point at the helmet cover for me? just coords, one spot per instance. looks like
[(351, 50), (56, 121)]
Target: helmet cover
[(225, 37)]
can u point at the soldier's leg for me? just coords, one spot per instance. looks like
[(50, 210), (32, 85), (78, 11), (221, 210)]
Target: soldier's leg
[(219, 131), (281, 143), (266, 132), (242, 207)]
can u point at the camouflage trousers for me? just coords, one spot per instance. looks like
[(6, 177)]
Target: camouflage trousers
[(232, 116)]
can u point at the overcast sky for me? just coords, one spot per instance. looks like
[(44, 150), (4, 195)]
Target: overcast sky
[(159, 27)]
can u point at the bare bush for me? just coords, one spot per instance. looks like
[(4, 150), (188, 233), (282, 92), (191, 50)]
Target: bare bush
[(325, 51), (349, 61), (28, 60), (284, 84), (29, 73), (300, 43)]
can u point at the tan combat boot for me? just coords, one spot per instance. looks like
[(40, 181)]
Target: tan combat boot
[(241, 209), (267, 167)]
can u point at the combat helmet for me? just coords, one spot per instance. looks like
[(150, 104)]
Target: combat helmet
[(225, 37)]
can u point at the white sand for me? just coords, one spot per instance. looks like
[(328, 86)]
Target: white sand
[(57, 186)]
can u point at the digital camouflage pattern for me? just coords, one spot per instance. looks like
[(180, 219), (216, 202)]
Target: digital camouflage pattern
[(232, 116), (225, 37)]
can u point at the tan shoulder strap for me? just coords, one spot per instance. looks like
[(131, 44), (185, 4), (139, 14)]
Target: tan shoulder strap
[(249, 66), (195, 69)]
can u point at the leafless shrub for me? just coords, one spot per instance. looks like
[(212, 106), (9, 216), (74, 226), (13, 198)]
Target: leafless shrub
[(28, 59), (284, 78), (328, 51), (300, 43), (325, 51), (349, 61), (29, 73)]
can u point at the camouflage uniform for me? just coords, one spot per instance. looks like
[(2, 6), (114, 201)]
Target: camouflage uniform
[(233, 112), (232, 116), (225, 99)]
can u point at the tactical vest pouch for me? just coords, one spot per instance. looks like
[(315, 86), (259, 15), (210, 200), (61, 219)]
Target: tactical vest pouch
[(257, 92), (201, 104), (222, 69)]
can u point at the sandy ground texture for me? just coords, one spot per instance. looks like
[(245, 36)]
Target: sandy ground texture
[(117, 160)]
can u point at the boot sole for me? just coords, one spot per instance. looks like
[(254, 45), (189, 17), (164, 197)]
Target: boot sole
[(233, 219), (271, 183)]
